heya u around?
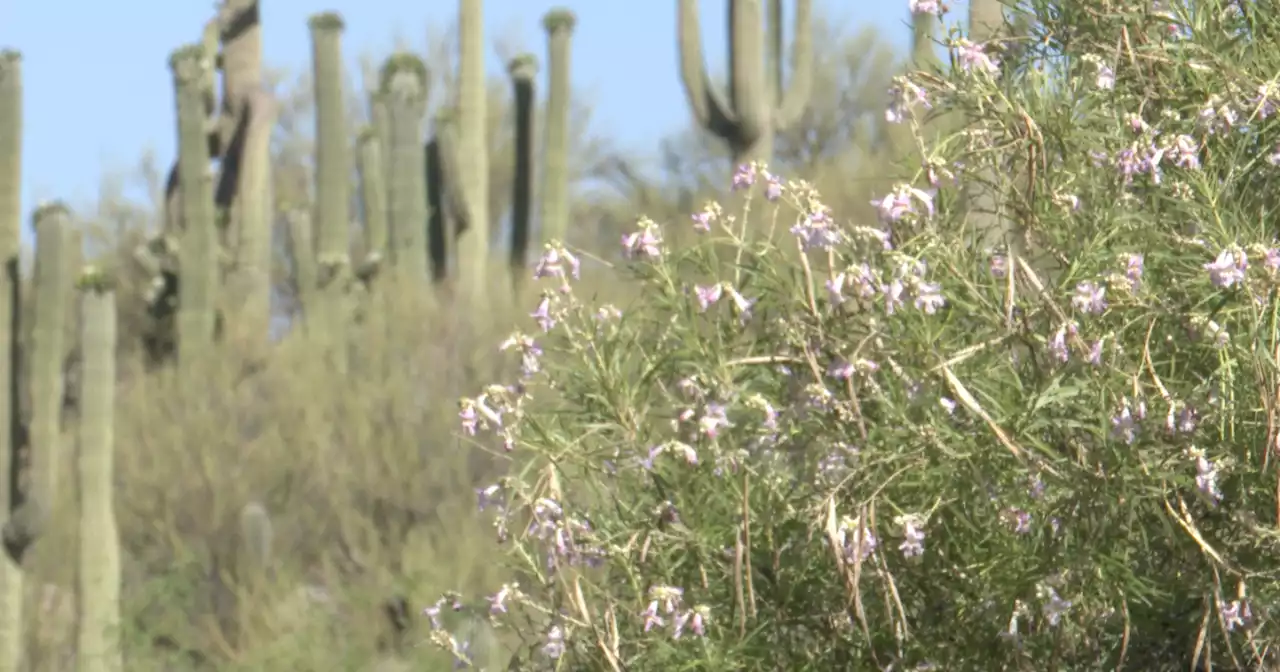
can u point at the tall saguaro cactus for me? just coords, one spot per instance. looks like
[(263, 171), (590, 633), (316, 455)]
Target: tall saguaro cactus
[(52, 296), (198, 249), (403, 85), (252, 278), (749, 116), (10, 227), (554, 222), (986, 21), (472, 155), (523, 69), (333, 171), (98, 569)]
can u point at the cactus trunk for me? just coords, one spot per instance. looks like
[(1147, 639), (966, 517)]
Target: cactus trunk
[(472, 155), (404, 87), (10, 227), (333, 175), (523, 70), (51, 298), (554, 221), (98, 570), (198, 248), (253, 206)]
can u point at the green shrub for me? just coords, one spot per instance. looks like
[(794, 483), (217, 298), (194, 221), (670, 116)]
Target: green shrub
[(870, 448)]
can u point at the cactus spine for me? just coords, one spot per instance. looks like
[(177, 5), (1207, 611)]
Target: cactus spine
[(333, 173), (748, 119), (472, 153), (559, 24), (523, 69), (10, 227), (403, 85), (198, 250), (98, 570)]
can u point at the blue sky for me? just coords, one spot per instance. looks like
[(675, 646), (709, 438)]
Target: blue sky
[(99, 92)]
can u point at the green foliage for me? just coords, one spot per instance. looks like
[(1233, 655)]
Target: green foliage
[(865, 447)]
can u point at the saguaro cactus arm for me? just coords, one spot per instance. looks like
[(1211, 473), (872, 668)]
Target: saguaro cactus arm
[(710, 109), (795, 93), (755, 106)]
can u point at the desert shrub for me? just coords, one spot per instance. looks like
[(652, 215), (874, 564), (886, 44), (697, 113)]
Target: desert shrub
[(864, 447)]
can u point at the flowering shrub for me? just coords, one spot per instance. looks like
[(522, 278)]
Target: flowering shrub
[(839, 446)]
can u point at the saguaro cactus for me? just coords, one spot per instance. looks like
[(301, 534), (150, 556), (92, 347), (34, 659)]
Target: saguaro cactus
[(472, 155), (923, 55), (373, 196), (333, 173), (10, 226), (523, 69), (98, 569), (404, 88), (198, 249), (52, 296), (252, 278), (749, 117), (253, 562), (554, 222), (986, 20)]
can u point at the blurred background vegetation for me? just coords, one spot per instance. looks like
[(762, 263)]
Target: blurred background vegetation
[(349, 485)]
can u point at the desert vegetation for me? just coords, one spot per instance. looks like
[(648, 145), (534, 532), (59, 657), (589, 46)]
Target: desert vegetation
[(965, 358)]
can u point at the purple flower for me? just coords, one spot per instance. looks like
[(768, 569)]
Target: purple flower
[(1228, 269), (1090, 298), (1207, 479), (929, 297), (912, 545), (1124, 425), (1186, 152), (557, 262), (773, 186), (817, 230), (974, 57), (903, 96), (999, 265), (835, 289), (925, 7), (1134, 266), (707, 296), (647, 241), (901, 202), (714, 418), (542, 314), (1106, 79)]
